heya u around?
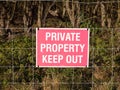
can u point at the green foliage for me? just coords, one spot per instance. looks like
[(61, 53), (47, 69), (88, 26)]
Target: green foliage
[(22, 42), (20, 53)]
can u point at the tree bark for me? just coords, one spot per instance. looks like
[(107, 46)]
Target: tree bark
[(73, 12), (103, 15), (77, 14), (27, 17), (46, 11), (64, 9), (40, 11), (118, 16)]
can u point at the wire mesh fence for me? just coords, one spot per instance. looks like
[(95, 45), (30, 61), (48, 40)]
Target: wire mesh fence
[(18, 45)]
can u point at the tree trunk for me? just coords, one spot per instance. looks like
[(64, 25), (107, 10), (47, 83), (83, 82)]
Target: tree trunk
[(70, 12), (103, 15), (27, 17), (40, 11), (109, 22), (64, 9), (73, 12), (118, 18), (77, 14), (46, 11), (3, 21)]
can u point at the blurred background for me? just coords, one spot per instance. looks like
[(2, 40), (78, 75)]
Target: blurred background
[(18, 22)]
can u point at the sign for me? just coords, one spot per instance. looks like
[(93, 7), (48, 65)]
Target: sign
[(62, 47)]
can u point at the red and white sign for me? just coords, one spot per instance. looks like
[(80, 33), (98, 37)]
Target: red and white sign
[(62, 47)]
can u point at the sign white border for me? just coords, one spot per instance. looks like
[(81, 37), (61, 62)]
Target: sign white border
[(64, 29)]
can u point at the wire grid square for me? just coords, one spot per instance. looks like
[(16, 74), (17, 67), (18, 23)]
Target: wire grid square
[(103, 57), (83, 75), (7, 42), (116, 37), (5, 57), (116, 57), (116, 75), (6, 73), (19, 57), (25, 76), (102, 75), (102, 38)]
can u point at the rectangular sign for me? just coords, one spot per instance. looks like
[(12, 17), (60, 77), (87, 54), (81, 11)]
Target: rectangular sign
[(62, 47)]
